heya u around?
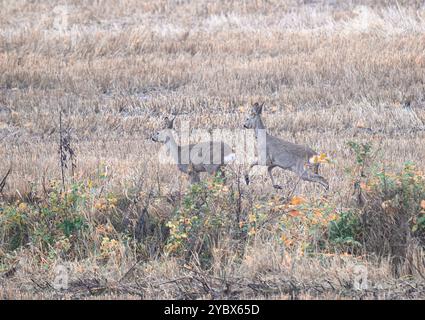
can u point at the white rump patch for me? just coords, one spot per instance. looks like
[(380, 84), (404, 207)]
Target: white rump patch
[(230, 158)]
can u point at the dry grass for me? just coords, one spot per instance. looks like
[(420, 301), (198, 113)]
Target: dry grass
[(325, 69)]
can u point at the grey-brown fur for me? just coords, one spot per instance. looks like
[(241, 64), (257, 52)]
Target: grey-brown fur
[(283, 154), (205, 163)]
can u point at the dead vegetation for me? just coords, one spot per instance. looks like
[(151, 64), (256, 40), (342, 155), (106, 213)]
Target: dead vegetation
[(83, 86)]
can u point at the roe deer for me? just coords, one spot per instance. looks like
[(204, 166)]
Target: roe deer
[(283, 154), (193, 159)]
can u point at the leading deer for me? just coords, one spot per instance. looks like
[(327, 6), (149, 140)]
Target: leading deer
[(282, 154), (192, 159)]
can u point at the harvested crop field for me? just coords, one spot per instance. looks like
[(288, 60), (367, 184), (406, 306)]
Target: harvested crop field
[(88, 210)]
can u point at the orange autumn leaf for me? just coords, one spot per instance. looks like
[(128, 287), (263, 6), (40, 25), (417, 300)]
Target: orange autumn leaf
[(322, 158), (296, 201), (295, 213), (365, 186), (318, 213), (333, 217), (286, 241)]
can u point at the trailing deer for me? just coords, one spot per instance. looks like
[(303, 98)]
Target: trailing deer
[(192, 159), (282, 154)]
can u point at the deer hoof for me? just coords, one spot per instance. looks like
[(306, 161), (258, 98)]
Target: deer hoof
[(246, 179)]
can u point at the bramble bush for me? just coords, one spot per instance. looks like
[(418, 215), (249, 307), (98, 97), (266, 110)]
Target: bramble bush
[(66, 223), (206, 215), (345, 232), (389, 211), (387, 219)]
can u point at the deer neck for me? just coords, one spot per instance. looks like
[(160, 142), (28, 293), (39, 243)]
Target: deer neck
[(173, 147), (260, 128)]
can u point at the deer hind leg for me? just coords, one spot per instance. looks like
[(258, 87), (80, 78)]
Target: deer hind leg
[(255, 163), (194, 177), (269, 170)]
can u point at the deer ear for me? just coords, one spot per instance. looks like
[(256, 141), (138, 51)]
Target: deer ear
[(169, 123), (257, 109)]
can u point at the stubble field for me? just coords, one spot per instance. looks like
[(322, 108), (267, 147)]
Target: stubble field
[(329, 72)]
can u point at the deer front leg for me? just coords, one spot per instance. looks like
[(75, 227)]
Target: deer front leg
[(269, 170), (194, 177), (313, 177), (255, 163)]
